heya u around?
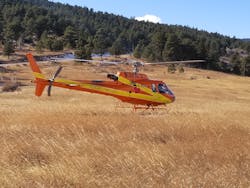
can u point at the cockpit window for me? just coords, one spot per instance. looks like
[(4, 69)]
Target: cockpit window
[(163, 88)]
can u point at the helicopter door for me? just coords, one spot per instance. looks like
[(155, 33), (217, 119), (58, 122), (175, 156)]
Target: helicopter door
[(153, 88)]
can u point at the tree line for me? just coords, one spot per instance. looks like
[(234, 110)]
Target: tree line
[(56, 26)]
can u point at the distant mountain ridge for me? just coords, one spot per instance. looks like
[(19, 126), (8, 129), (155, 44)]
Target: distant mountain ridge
[(246, 40)]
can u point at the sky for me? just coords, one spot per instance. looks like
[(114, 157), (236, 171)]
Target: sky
[(227, 17)]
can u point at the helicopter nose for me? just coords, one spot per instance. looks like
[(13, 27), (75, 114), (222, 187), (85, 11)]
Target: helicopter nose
[(173, 98), (169, 98)]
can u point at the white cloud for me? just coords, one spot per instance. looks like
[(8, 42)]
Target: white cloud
[(149, 18)]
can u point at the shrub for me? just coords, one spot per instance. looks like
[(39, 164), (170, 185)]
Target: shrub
[(11, 87), (181, 68), (57, 45), (171, 68)]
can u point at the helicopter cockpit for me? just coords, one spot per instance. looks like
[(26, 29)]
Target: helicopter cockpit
[(163, 88)]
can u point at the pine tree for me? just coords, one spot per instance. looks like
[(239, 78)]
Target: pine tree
[(82, 39), (171, 49), (235, 61), (157, 44), (245, 66), (139, 49), (119, 46), (201, 48), (101, 41), (8, 48), (57, 45), (84, 52), (70, 37), (148, 53), (1, 29)]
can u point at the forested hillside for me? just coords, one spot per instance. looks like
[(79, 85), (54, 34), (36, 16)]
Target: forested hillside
[(55, 26)]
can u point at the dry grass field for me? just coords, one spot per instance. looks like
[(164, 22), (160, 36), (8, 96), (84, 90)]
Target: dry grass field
[(76, 139)]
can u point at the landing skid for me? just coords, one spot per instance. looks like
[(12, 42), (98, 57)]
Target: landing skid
[(148, 107), (136, 108)]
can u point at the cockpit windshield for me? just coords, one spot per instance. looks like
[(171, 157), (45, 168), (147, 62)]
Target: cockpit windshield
[(163, 88)]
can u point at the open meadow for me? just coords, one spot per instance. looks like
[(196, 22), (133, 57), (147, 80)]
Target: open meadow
[(76, 139)]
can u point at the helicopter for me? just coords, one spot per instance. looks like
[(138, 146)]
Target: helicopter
[(130, 87)]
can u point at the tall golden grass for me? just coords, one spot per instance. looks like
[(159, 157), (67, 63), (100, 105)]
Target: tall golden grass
[(75, 139)]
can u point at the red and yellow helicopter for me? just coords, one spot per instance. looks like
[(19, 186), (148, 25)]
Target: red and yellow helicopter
[(130, 87)]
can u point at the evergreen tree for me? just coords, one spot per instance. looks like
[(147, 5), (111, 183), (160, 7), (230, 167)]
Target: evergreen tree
[(201, 48), (39, 46), (13, 29), (213, 55), (70, 37), (188, 50), (8, 48), (235, 61), (82, 39), (245, 66), (1, 28), (40, 24), (101, 41), (139, 49), (214, 50), (157, 44), (57, 45), (119, 46), (43, 40), (83, 52), (148, 53), (171, 49)]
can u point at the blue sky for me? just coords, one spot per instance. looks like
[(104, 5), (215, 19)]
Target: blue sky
[(228, 17)]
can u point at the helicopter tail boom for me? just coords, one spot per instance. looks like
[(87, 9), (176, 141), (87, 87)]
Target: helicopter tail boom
[(33, 63)]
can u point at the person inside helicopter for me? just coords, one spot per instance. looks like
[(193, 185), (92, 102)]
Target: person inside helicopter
[(163, 88)]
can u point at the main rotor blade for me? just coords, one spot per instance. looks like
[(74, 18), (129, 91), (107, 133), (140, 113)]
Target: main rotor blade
[(74, 59), (176, 62), (86, 60)]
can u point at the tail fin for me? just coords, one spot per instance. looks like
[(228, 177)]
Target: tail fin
[(39, 88), (40, 78)]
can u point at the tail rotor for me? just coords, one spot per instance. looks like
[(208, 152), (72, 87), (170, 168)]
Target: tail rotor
[(51, 81)]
